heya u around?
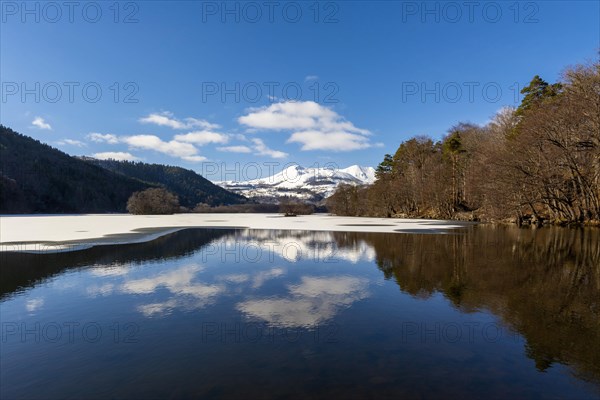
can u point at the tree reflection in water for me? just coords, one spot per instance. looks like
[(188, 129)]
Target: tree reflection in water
[(544, 283)]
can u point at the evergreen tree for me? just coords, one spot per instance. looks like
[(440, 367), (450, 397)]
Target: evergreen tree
[(452, 148), (537, 91), (384, 169)]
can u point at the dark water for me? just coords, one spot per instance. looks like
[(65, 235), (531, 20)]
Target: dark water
[(484, 313)]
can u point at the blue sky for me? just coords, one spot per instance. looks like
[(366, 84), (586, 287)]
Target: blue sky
[(214, 86)]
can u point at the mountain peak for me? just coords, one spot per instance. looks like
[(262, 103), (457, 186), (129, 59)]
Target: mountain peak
[(365, 174), (308, 184)]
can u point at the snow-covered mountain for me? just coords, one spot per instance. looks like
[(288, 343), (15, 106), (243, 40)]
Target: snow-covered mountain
[(309, 184)]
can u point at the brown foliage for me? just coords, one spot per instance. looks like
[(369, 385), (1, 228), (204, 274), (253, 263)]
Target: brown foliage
[(295, 207), (153, 201), (542, 163)]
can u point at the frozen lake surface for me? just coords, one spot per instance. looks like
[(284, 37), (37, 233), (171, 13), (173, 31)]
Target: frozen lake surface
[(48, 233)]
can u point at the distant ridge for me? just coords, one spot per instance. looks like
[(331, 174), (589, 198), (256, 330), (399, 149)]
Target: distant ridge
[(191, 187)]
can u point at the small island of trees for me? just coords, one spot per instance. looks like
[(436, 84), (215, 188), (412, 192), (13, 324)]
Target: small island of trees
[(153, 201)]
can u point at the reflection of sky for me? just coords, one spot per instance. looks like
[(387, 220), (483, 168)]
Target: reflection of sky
[(172, 299), (96, 290), (33, 305), (301, 245), (308, 304), (186, 291), (302, 300), (287, 287), (112, 270)]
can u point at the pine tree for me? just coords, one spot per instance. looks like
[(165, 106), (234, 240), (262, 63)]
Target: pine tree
[(384, 169), (537, 91)]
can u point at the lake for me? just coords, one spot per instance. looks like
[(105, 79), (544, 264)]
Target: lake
[(481, 312)]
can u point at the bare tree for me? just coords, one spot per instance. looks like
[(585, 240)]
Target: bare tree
[(292, 207), (540, 162), (153, 201)]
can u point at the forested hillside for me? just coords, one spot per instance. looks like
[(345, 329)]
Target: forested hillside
[(36, 178), (190, 187), (538, 162)]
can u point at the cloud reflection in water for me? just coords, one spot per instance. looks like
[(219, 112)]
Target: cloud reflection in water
[(306, 304), (312, 302)]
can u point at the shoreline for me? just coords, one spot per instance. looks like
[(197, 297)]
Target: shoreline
[(63, 233)]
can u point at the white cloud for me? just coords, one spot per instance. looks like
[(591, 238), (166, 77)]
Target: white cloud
[(202, 137), (194, 158), (185, 151), (295, 115), (41, 124), (314, 126), (103, 138), (183, 148), (262, 150), (71, 142), (115, 155), (284, 115), (334, 141), (166, 119), (235, 149)]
